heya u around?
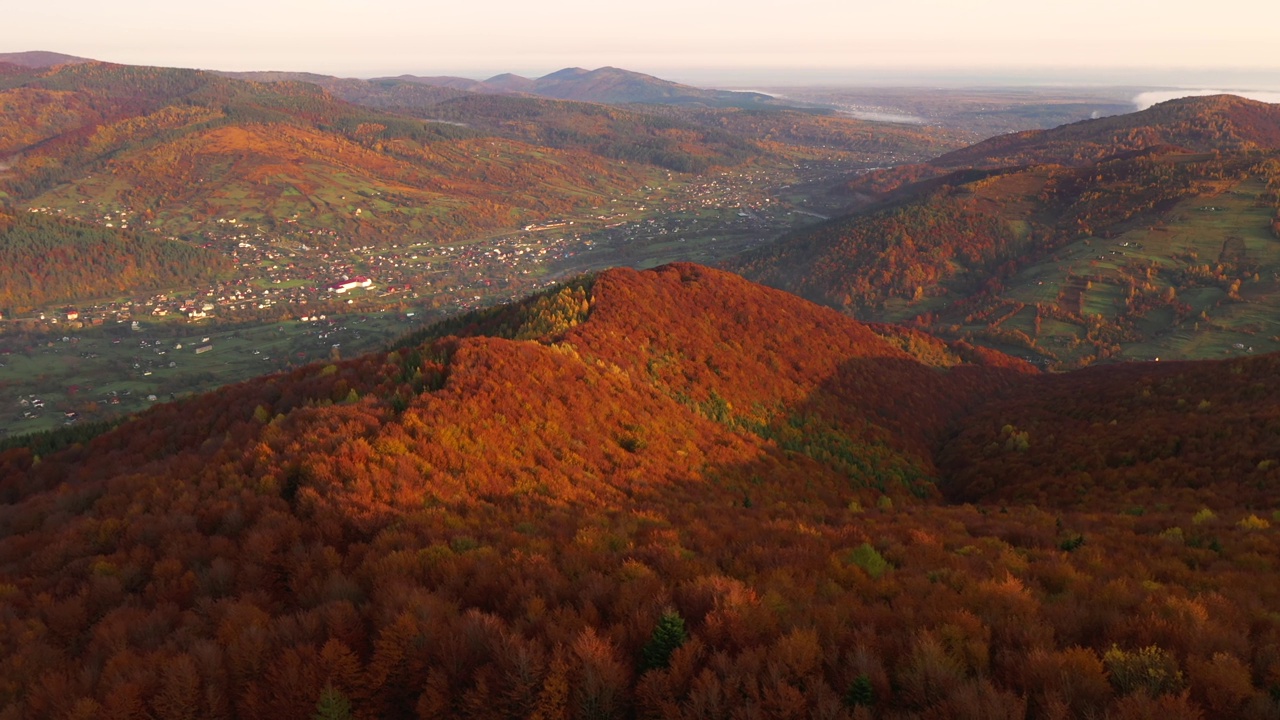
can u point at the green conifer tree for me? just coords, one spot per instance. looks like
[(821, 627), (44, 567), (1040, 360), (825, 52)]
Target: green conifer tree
[(667, 637), (333, 705)]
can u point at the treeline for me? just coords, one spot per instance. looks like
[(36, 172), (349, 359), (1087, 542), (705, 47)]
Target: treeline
[(45, 260)]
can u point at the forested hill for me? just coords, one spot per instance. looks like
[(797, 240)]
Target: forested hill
[(48, 259), (670, 493), (956, 237), (1222, 123), (1199, 124), (180, 147), (1098, 240)]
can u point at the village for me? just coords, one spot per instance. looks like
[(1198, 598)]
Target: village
[(300, 296)]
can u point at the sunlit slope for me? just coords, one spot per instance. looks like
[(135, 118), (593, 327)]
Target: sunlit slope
[(180, 147), (1153, 254)]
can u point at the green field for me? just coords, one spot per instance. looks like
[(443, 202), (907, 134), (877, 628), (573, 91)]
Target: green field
[(103, 372), (1193, 252)]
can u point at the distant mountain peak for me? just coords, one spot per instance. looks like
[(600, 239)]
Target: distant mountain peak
[(41, 59), (569, 72), (506, 77)]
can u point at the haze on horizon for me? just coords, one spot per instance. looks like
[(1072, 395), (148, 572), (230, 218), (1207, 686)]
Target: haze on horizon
[(751, 40)]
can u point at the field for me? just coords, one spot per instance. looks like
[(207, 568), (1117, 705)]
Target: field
[(1181, 267), (102, 372)]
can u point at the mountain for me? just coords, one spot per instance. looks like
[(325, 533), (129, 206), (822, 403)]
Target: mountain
[(293, 151), (40, 59), (655, 134), (1224, 123), (1198, 124), (670, 493), (174, 149), (1159, 252), (507, 83), (443, 81), (603, 85)]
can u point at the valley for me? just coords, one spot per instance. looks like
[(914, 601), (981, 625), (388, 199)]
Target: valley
[(289, 191), (1104, 273), (979, 112), (282, 278)]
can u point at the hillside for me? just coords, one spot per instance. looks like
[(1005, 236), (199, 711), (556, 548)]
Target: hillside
[(1225, 123), (310, 155), (173, 149), (680, 137), (614, 133), (1137, 434), (653, 494), (1151, 253), (48, 259), (1222, 123), (384, 93), (608, 85)]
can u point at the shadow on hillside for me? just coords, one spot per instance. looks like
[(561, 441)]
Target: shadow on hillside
[(872, 429)]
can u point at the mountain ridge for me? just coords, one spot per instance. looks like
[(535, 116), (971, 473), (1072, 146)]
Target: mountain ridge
[(1196, 123), (608, 85), (1226, 123)]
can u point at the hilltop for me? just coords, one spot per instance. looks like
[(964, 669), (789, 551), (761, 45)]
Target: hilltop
[(650, 493), (40, 59)]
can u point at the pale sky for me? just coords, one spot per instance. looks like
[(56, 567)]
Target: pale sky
[(675, 38)]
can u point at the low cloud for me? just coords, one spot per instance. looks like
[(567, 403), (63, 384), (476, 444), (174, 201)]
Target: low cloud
[(1147, 99)]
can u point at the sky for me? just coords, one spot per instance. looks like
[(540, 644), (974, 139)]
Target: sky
[(744, 40)]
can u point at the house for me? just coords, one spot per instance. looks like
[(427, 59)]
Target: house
[(359, 281)]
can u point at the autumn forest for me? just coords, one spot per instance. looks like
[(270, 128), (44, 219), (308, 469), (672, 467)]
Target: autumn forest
[(998, 439), (600, 503)]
